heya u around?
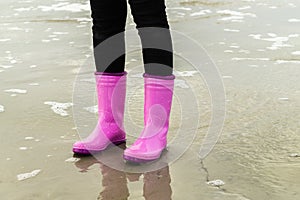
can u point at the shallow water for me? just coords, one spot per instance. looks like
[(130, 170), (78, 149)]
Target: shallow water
[(254, 43)]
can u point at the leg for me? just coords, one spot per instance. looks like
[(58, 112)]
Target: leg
[(111, 90), (114, 184), (109, 18), (151, 13), (157, 185), (158, 79)]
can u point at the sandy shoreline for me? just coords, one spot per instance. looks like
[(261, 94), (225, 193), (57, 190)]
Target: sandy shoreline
[(255, 44)]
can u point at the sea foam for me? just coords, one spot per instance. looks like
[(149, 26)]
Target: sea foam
[(28, 175), (1, 108), (59, 108), (18, 91)]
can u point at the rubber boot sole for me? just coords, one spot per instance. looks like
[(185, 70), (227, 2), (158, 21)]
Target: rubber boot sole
[(85, 152)]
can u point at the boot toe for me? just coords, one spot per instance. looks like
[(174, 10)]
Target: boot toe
[(135, 154), (78, 144)]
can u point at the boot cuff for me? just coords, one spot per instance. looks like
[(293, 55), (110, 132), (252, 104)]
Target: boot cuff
[(111, 74), (170, 77)]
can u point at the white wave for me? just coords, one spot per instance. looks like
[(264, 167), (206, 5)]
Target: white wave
[(202, 12), (283, 98), (231, 30), (294, 20), (23, 9), (33, 84), (258, 59), (5, 40), (234, 15), (287, 61), (64, 6), (6, 66), (297, 53), (82, 19), (216, 183), (92, 109), (72, 159), (292, 5), (232, 18), (179, 8), (185, 73), (272, 34), (181, 84), (278, 41), (59, 108), (244, 8), (19, 91), (25, 176), (1, 108), (273, 7), (255, 36), (293, 35), (60, 33), (181, 14), (294, 155)]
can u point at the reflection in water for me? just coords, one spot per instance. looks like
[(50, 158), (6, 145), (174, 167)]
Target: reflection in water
[(157, 184), (114, 182)]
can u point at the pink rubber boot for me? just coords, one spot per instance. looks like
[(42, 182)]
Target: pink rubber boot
[(157, 106), (111, 90)]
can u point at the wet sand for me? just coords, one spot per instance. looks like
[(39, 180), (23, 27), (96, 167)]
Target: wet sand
[(255, 44)]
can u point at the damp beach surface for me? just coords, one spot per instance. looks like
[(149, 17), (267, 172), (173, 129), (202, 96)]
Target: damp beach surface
[(256, 46)]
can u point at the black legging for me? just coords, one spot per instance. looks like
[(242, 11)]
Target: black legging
[(109, 18)]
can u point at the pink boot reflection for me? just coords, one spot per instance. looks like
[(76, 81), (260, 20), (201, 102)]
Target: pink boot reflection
[(114, 182)]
